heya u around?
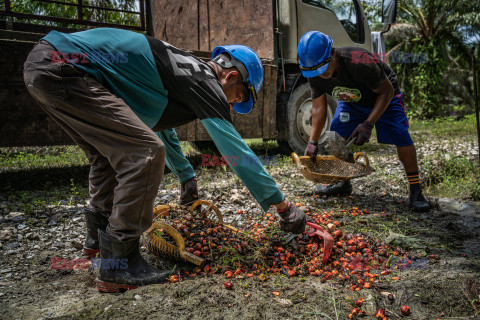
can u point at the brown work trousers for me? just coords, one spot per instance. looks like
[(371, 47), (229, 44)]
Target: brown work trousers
[(126, 158)]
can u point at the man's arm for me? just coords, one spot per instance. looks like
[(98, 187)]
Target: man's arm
[(373, 77), (249, 169), (364, 130), (319, 115), (175, 159), (385, 95), (244, 162)]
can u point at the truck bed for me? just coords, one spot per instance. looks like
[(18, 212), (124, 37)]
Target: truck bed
[(204, 24)]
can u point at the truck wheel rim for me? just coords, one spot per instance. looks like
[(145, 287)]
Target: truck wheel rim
[(304, 119)]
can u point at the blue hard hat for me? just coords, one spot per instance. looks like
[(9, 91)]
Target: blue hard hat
[(314, 52), (250, 67)]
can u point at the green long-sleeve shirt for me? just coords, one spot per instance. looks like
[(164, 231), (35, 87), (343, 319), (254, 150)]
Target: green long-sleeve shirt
[(165, 87)]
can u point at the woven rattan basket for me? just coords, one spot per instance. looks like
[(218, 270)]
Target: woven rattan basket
[(329, 169), (176, 251)]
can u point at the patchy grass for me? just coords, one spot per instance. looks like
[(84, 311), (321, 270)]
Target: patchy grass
[(46, 199), (187, 148), (451, 176), (447, 128), (41, 157)]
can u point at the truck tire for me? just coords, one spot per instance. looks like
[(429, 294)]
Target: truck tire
[(299, 115)]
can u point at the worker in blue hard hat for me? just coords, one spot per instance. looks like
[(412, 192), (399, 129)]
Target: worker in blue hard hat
[(119, 94), (369, 96)]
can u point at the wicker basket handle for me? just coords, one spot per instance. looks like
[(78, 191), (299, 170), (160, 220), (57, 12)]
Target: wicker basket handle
[(161, 210), (207, 203), (172, 232), (296, 160), (361, 154)]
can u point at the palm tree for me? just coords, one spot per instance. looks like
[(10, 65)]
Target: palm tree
[(443, 29)]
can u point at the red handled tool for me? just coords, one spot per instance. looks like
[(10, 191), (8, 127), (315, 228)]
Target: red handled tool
[(315, 229)]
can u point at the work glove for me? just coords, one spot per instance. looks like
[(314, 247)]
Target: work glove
[(293, 219), (189, 192), (363, 133), (312, 150)]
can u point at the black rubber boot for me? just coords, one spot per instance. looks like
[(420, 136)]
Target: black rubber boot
[(417, 201), (122, 267), (343, 188), (94, 221)]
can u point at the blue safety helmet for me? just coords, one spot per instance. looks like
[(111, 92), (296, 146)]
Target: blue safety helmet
[(249, 65), (314, 52)]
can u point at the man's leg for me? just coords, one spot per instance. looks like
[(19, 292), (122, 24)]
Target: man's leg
[(101, 185), (135, 153), (43, 79), (408, 157), (392, 128)]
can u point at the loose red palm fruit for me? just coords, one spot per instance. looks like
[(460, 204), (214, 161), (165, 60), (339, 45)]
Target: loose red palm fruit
[(405, 310), (359, 302), (362, 245), (292, 273), (380, 314)]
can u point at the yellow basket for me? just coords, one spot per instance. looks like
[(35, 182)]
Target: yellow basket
[(329, 169), (160, 247)]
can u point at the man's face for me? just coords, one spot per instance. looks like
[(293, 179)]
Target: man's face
[(234, 89), (329, 72)]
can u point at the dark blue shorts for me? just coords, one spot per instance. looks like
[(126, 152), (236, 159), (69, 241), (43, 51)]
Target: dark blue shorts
[(392, 127)]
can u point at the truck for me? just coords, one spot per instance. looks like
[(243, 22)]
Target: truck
[(272, 29)]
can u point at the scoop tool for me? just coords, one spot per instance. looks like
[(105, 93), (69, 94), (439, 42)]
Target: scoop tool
[(315, 229)]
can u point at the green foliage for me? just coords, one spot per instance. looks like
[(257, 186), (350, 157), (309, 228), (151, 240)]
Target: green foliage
[(373, 11), (425, 89), (89, 14), (444, 30)]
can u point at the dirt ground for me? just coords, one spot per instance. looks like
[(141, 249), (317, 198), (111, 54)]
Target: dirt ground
[(438, 287)]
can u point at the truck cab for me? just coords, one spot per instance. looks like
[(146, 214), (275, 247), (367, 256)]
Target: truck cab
[(343, 20)]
